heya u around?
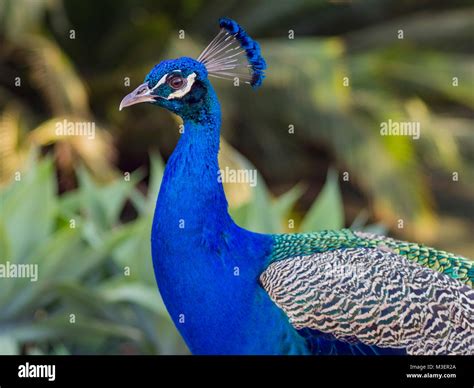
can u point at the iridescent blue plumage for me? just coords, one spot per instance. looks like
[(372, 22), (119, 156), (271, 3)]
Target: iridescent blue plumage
[(232, 291)]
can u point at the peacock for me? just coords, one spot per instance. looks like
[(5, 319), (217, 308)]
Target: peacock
[(232, 291)]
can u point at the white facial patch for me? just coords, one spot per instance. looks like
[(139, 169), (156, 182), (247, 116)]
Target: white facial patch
[(182, 92), (160, 82)]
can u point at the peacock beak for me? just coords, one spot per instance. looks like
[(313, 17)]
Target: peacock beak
[(140, 94)]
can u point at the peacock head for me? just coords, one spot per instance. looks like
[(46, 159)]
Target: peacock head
[(182, 85)]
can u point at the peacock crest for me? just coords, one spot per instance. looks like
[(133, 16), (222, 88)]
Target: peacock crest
[(233, 53)]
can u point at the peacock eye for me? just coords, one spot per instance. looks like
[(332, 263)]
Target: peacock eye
[(176, 81)]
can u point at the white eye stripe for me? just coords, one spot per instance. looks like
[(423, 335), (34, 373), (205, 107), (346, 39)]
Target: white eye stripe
[(160, 82), (182, 92)]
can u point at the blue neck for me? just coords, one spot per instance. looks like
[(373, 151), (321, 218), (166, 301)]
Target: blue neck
[(207, 267), (190, 182)]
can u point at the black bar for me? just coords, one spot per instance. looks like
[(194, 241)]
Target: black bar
[(452, 371)]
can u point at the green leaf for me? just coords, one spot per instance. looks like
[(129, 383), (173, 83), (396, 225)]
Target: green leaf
[(8, 346), (103, 203), (70, 203), (83, 299), (327, 212), (257, 215), (145, 204), (360, 220), (376, 229), (134, 251), (59, 327), (94, 257), (50, 256), (28, 209), (157, 171), (285, 202), (120, 290)]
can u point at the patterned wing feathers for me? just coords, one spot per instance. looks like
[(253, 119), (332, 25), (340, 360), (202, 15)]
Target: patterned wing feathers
[(376, 297)]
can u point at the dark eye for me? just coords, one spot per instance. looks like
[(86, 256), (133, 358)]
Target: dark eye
[(176, 81)]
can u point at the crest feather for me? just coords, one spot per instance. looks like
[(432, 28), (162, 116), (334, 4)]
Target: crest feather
[(233, 53)]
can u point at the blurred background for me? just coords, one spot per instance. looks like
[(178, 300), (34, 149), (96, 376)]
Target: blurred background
[(81, 208)]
